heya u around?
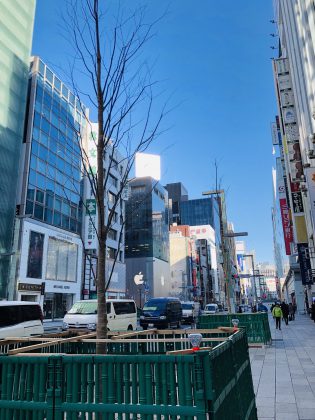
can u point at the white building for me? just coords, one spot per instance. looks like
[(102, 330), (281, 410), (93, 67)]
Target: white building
[(115, 168)]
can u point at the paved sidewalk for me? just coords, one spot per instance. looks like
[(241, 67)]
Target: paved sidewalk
[(284, 373)]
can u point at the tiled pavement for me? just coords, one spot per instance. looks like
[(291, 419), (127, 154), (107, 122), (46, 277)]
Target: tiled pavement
[(284, 373)]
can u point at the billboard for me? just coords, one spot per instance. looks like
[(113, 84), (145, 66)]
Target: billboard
[(305, 263), (148, 165), (286, 224), (35, 255), (310, 180)]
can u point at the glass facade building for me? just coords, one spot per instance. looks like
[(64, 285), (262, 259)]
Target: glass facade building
[(202, 211), (16, 28), (147, 220), (52, 165)]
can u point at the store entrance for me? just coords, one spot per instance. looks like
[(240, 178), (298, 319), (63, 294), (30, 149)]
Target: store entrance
[(56, 305)]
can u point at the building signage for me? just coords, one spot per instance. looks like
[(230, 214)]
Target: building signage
[(274, 134), (28, 287), (90, 237), (286, 224), (310, 180), (297, 202), (305, 263)]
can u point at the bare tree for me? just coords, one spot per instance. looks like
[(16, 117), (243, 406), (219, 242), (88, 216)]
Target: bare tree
[(118, 86)]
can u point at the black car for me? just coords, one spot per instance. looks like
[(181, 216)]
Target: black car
[(161, 313)]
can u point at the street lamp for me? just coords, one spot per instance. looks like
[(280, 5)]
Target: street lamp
[(254, 276)]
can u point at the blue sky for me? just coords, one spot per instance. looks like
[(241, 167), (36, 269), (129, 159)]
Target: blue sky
[(213, 59)]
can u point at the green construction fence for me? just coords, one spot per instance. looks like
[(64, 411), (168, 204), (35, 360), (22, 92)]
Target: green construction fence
[(256, 324), (207, 384)]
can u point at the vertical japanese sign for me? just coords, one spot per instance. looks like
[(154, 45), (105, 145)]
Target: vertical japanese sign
[(286, 224), (305, 263), (90, 202)]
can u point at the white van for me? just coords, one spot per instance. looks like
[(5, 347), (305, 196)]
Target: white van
[(190, 312), (211, 308), (20, 319), (121, 315)]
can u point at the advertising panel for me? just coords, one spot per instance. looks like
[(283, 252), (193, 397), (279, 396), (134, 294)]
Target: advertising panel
[(286, 224), (305, 263), (310, 180), (35, 255)]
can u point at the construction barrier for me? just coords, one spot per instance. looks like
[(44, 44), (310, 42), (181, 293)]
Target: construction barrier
[(207, 384), (256, 324)]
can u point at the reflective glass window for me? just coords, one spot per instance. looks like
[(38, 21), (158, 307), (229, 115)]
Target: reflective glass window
[(48, 215), (49, 75), (43, 152), (57, 219), (45, 126), (65, 222), (44, 138), (29, 207), (57, 204), (35, 133), (50, 185), (30, 192), (38, 212), (65, 91), (32, 177), (49, 200), (65, 208), (41, 181), (33, 163), (41, 166), (73, 225), (36, 119), (57, 84), (40, 196), (47, 99)]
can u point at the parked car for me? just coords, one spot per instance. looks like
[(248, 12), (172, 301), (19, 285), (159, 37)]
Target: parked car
[(262, 308), (211, 308), (121, 315), (163, 312), (20, 319), (191, 311)]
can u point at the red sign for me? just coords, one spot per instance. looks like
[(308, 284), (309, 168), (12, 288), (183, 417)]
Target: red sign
[(286, 224)]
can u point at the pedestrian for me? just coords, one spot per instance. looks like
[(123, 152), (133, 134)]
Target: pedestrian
[(272, 306), (313, 311), (277, 314), (285, 312), (294, 309), (291, 312), (240, 310)]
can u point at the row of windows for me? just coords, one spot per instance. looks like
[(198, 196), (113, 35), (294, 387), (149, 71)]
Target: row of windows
[(55, 175), (53, 202), (58, 85), (44, 124), (53, 217), (44, 183), (56, 160)]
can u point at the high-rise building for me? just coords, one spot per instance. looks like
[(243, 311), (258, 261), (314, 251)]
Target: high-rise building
[(147, 239), (49, 244), (177, 193), (16, 28), (295, 92)]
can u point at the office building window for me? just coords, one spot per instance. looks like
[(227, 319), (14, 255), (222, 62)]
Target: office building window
[(61, 260)]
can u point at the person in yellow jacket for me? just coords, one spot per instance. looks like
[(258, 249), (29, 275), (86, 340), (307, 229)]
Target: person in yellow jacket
[(277, 314)]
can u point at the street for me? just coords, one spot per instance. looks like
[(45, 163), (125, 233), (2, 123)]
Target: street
[(284, 373)]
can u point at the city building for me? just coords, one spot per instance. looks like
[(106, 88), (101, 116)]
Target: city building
[(48, 242), (177, 193), (16, 29), (293, 73), (207, 267), (147, 239), (183, 259), (115, 166)]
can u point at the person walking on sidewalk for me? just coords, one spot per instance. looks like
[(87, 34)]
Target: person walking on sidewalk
[(291, 312), (285, 312), (277, 314)]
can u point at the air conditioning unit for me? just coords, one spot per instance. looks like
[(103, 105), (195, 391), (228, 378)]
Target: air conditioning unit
[(306, 165), (312, 138), (311, 154)]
